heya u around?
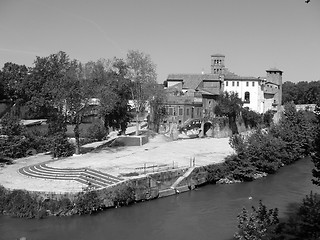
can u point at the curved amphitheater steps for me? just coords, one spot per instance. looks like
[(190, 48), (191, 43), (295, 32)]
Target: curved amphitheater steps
[(87, 176)]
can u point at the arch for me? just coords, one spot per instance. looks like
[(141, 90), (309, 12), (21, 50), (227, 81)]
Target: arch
[(206, 127)]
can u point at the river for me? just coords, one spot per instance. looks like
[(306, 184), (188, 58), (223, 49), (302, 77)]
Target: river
[(210, 212)]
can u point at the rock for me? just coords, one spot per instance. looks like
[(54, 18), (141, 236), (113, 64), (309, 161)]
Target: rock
[(227, 181)]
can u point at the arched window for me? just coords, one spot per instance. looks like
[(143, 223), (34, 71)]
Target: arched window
[(246, 97)]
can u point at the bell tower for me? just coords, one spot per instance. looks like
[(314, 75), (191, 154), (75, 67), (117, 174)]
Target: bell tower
[(217, 64)]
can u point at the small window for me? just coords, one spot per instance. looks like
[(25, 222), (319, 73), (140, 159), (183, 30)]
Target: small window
[(247, 84), (252, 84), (226, 83), (247, 97), (187, 112), (232, 84), (237, 84), (180, 111)]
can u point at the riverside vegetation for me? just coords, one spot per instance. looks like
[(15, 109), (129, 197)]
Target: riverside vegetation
[(303, 221), (262, 151)]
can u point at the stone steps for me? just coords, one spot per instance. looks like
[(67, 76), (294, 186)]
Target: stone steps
[(85, 176)]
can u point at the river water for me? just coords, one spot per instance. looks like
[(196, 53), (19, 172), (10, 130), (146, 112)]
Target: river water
[(209, 212)]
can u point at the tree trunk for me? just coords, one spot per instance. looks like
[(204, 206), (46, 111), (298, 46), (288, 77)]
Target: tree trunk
[(137, 123), (77, 134)]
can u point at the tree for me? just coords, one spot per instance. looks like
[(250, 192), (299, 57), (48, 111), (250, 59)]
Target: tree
[(316, 153), (119, 116), (13, 78), (258, 225), (229, 105), (142, 72), (301, 93), (45, 85), (251, 118), (157, 108)]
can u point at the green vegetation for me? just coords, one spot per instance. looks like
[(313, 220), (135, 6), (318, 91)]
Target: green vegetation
[(261, 223), (316, 151), (19, 203), (303, 137), (301, 92), (301, 223), (67, 92), (229, 105)]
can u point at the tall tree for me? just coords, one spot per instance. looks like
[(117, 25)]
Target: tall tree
[(13, 77), (157, 108), (316, 155), (119, 116), (142, 72), (229, 105), (44, 85)]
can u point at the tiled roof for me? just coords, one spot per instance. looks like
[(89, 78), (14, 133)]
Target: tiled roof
[(192, 81)]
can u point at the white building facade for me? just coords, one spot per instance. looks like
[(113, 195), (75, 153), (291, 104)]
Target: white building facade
[(258, 94)]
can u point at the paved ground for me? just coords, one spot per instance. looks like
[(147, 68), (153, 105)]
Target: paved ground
[(118, 161)]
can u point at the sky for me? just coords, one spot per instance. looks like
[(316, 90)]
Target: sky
[(179, 35)]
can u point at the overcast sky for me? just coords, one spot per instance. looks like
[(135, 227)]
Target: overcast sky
[(179, 35)]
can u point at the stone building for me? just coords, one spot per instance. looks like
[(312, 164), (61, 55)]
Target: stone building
[(259, 94), (194, 96)]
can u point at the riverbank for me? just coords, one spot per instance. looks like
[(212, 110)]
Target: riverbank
[(158, 154), (146, 172)]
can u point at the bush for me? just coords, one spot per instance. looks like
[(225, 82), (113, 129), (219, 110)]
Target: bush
[(261, 223), (15, 147), (60, 146), (97, 131), (267, 118), (20, 203), (124, 196), (88, 202), (250, 118), (215, 172)]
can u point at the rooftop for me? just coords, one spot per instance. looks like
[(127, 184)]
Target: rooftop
[(273, 70), (193, 80)]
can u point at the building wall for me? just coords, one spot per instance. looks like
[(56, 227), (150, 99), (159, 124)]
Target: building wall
[(245, 86)]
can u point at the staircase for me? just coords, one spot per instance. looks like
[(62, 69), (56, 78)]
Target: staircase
[(87, 176), (181, 178)]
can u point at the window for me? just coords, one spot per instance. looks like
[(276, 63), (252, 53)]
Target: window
[(226, 83), (237, 84), (247, 97), (187, 112), (247, 84), (180, 111), (252, 84), (232, 84), (170, 111), (198, 111)]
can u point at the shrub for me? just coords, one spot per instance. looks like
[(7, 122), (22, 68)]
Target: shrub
[(124, 196), (97, 131), (215, 172), (15, 147), (88, 202), (20, 203), (61, 147), (261, 223), (250, 118), (267, 118)]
